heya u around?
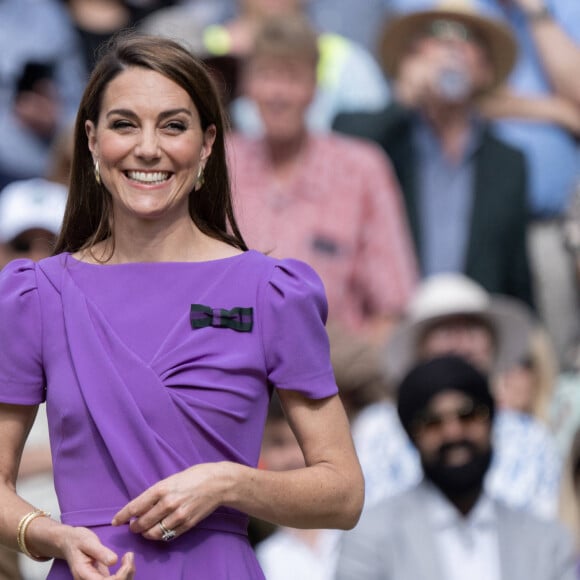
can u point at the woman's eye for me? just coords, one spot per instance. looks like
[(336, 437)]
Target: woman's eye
[(121, 124), (176, 126)]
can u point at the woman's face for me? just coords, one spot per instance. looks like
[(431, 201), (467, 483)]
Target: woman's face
[(149, 144)]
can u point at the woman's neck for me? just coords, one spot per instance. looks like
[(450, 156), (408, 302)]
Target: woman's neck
[(134, 241)]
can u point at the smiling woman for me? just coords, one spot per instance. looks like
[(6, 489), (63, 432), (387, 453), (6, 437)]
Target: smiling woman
[(150, 119), (154, 336), (149, 147)]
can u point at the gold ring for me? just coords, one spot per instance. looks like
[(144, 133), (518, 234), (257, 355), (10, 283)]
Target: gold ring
[(167, 534)]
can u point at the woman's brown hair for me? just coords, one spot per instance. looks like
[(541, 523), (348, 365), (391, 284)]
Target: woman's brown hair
[(88, 214)]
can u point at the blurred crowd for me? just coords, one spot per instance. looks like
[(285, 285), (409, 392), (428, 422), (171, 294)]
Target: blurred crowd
[(424, 157)]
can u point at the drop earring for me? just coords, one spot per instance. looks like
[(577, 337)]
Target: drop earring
[(200, 180), (97, 173)]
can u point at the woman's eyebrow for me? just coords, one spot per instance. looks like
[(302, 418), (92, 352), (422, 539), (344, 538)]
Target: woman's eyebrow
[(162, 115)]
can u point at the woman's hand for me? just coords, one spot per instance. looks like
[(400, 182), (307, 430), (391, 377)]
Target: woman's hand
[(327, 493), (179, 502), (89, 559)]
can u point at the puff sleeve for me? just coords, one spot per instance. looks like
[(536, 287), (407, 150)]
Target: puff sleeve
[(293, 331), (21, 372)]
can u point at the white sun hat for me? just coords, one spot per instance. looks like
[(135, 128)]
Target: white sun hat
[(453, 294)]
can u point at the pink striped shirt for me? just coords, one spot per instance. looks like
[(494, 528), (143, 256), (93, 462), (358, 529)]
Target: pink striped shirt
[(341, 212)]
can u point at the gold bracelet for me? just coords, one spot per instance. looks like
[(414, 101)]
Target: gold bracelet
[(21, 533)]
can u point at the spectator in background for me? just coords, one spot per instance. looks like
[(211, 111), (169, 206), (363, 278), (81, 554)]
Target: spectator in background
[(464, 189), (538, 111), (96, 21), (447, 526), (451, 314), (30, 216), (329, 200), (360, 22), (186, 24), (529, 386), (41, 79), (348, 77)]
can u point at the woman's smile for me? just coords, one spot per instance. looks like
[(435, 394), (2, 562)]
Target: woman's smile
[(148, 177)]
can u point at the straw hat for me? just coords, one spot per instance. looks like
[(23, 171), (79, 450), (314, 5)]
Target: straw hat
[(496, 36), (452, 294)]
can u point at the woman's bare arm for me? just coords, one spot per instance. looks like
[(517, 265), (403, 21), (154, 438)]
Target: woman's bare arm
[(327, 493)]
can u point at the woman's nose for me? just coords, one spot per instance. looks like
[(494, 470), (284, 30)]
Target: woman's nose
[(148, 144)]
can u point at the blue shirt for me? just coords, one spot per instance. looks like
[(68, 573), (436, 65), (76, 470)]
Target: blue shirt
[(446, 192)]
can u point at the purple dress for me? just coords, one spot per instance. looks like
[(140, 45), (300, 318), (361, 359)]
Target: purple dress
[(140, 384)]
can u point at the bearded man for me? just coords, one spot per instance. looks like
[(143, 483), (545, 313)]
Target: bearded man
[(447, 527)]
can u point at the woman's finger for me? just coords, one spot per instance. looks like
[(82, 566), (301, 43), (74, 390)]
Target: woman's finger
[(127, 569), (135, 508)]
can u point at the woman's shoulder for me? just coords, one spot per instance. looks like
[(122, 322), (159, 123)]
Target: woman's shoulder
[(18, 291), (18, 274), (22, 275), (283, 270)]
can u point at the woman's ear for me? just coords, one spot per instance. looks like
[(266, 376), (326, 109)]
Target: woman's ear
[(91, 132), (208, 141)]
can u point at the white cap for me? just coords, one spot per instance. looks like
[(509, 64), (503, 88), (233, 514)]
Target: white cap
[(31, 204)]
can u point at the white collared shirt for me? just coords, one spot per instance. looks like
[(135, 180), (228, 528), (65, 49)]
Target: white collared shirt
[(467, 546)]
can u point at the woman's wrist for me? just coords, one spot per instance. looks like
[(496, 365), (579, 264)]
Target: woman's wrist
[(47, 538), (231, 478), (22, 534)]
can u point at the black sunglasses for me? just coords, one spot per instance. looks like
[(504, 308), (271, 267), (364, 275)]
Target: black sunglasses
[(466, 415)]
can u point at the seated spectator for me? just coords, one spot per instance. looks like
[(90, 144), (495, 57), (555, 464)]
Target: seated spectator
[(359, 21), (31, 213), (329, 200), (348, 76), (451, 314), (529, 386), (465, 190), (539, 112), (42, 77), (185, 24), (96, 21), (447, 526)]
